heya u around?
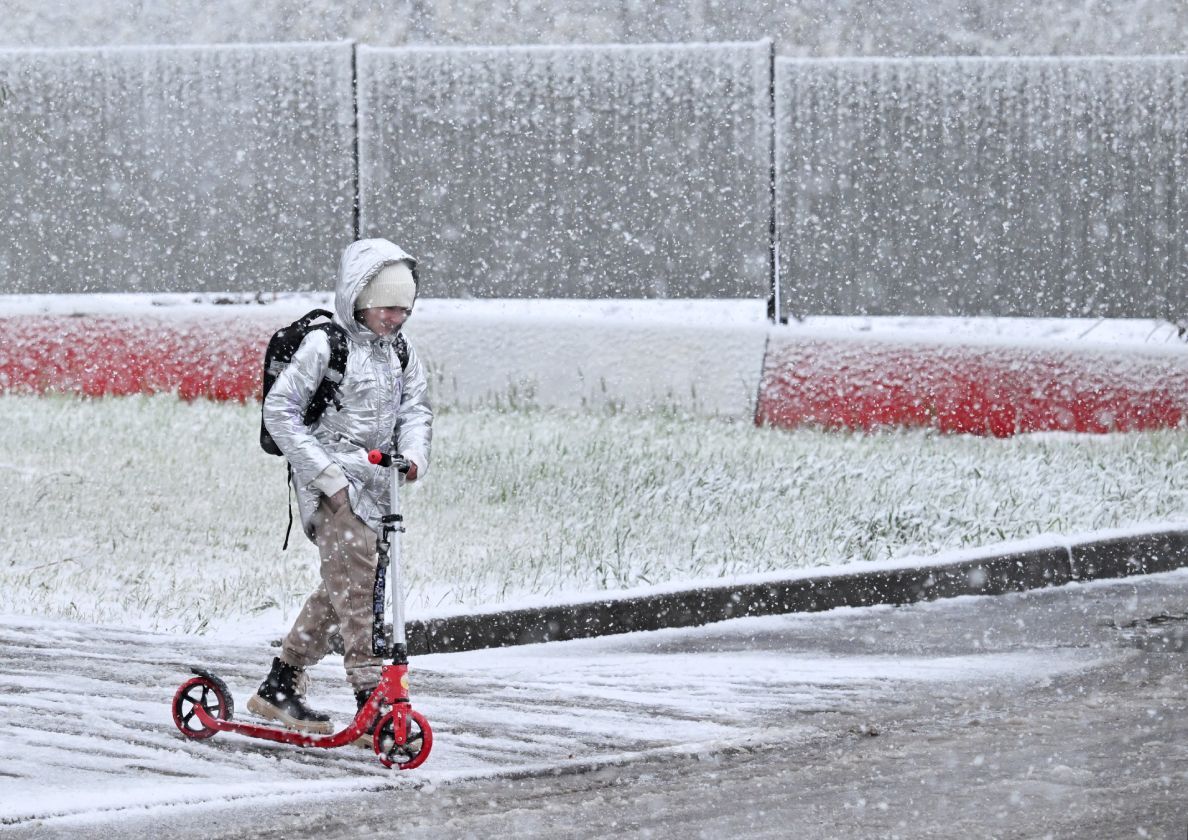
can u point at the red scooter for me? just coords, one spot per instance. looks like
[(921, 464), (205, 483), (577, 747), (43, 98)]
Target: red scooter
[(203, 705)]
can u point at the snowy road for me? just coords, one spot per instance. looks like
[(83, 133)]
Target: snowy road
[(1010, 716)]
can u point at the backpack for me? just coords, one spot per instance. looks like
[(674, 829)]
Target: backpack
[(281, 348)]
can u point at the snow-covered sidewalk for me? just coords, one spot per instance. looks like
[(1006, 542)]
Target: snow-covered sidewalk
[(88, 742)]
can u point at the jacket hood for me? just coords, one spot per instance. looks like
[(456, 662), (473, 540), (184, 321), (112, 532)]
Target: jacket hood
[(361, 261)]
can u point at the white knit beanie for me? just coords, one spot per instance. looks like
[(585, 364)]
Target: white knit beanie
[(392, 286)]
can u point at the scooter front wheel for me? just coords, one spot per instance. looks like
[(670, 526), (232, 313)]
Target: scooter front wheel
[(200, 691), (415, 744)]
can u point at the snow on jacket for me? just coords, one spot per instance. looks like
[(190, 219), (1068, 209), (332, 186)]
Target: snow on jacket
[(376, 398)]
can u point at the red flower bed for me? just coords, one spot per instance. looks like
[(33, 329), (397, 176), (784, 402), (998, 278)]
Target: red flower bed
[(217, 358), (981, 389)]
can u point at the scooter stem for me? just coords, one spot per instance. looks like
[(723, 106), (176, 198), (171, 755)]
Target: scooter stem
[(399, 643), (390, 547)]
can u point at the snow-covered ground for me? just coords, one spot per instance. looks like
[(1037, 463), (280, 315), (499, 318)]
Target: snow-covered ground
[(1003, 701), (156, 513), (494, 712)]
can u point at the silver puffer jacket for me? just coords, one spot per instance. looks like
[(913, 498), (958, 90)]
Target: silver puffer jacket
[(376, 398)]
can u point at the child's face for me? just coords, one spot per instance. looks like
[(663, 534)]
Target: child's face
[(384, 320)]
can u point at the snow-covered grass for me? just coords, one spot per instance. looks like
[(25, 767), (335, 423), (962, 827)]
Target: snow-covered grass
[(162, 514)]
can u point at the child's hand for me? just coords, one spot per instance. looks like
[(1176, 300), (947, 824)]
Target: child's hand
[(411, 475)]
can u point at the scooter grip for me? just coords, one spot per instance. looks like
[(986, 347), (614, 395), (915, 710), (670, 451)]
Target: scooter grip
[(379, 458), (382, 459)]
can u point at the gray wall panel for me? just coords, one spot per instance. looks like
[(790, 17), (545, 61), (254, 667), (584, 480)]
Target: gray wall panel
[(983, 186), (571, 171), (175, 168)]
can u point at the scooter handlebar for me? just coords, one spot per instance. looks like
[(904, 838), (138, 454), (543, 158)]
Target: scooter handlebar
[(382, 459)]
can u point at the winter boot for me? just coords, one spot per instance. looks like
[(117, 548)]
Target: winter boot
[(281, 697)]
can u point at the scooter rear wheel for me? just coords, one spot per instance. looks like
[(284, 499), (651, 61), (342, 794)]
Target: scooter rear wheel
[(418, 740), (204, 692)]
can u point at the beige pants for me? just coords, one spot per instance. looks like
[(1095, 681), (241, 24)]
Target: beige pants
[(342, 602)]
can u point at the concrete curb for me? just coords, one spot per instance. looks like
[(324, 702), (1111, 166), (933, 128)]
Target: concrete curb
[(994, 574)]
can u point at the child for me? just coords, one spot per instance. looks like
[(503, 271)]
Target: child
[(340, 495)]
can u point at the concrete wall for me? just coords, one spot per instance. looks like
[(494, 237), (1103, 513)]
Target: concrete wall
[(1023, 187), (573, 171), (175, 168), (930, 187)]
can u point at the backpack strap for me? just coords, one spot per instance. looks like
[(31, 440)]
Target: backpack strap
[(314, 314), (289, 484), (338, 356), (402, 350), (327, 392)]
